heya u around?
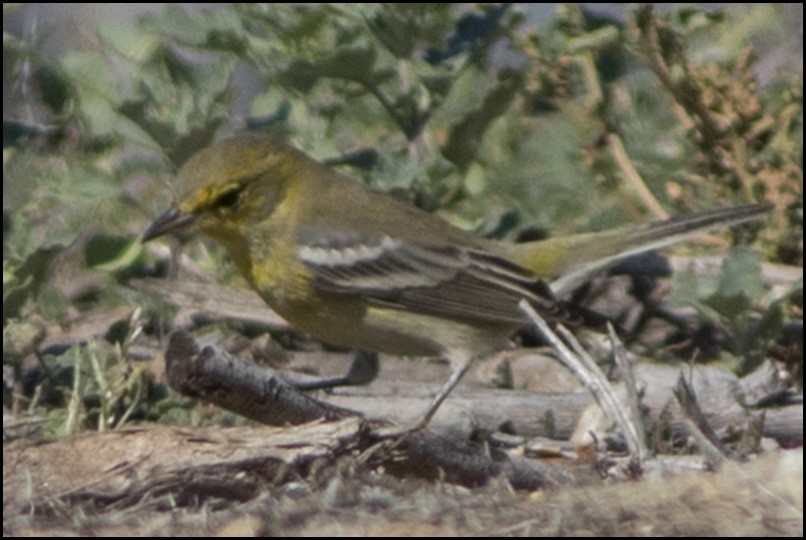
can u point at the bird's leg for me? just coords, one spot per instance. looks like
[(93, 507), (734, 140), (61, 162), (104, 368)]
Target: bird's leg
[(390, 439), (458, 371), (363, 370)]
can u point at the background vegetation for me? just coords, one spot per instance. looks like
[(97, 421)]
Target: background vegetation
[(467, 110)]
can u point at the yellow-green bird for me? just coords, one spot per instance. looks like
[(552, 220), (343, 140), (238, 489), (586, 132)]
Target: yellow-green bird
[(359, 268)]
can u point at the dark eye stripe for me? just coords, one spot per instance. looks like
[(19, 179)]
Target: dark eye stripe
[(227, 199)]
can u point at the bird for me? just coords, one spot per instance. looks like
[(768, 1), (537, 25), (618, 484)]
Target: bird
[(360, 268)]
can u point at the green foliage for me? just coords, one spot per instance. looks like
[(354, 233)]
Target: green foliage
[(730, 298), (95, 384), (445, 99), (23, 282), (112, 253)]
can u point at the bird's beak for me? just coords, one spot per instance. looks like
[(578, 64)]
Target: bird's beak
[(170, 221)]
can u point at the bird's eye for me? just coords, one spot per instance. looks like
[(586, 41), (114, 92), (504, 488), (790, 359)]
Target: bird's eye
[(227, 199)]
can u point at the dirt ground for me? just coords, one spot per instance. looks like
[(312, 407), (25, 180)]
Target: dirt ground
[(763, 497)]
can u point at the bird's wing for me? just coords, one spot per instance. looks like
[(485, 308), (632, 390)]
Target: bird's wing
[(442, 280)]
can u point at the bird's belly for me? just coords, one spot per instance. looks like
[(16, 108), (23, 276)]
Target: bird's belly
[(356, 324)]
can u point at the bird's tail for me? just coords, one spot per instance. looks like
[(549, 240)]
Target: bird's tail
[(567, 262)]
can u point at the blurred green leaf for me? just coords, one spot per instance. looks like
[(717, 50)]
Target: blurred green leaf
[(24, 283), (178, 24), (132, 43), (466, 137), (15, 132), (361, 159), (772, 321), (349, 63), (301, 75), (739, 284), (96, 89), (394, 31), (728, 298), (475, 180), (180, 104), (690, 289), (112, 253)]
